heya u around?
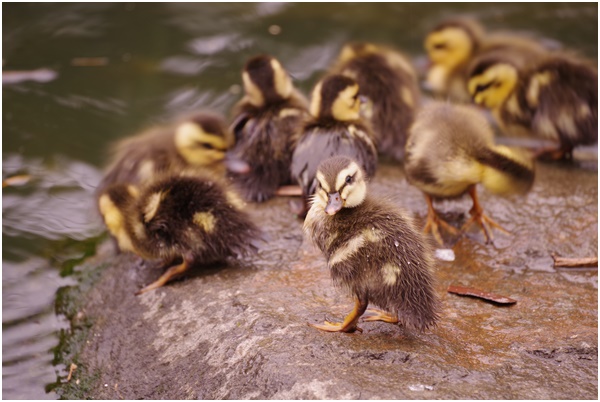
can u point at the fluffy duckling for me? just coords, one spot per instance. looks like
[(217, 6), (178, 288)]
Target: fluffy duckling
[(197, 140), (336, 128), (454, 43), (387, 78), (450, 150), (372, 248), (555, 99), (182, 220), (266, 120)]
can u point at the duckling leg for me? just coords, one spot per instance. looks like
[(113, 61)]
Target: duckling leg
[(433, 221), (349, 324), (380, 315), (478, 216), (171, 273)]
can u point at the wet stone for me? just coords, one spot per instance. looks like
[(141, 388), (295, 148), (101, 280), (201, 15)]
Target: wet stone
[(239, 331)]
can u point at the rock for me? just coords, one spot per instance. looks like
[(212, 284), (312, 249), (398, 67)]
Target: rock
[(239, 331)]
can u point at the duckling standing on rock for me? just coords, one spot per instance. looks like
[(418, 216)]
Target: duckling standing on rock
[(454, 43), (389, 81), (555, 99), (267, 118), (372, 249), (450, 150), (199, 140), (336, 128), (180, 220)]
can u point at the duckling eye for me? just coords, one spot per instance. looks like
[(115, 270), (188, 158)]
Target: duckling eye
[(440, 46), (206, 145), (349, 179)]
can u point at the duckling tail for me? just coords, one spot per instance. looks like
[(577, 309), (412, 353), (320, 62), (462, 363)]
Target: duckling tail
[(507, 170)]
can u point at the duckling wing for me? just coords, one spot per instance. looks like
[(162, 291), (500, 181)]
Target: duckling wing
[(565, 98)]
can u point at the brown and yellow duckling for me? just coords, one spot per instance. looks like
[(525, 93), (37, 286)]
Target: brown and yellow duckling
[(554, 99), (454, 43), (199, 140), (450, 150), (266, 120), (388, 80), (373, 249), (336, 128), (181, 220)]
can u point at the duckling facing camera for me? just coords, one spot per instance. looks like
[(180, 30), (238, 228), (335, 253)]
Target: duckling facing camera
[(454, 43), (266, 120), (336, 128), (182, 220), (372, 248), (389, 81), (450, 150), (555, 99), (198, 140)]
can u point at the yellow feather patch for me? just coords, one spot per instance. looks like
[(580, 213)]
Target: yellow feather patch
[(536, 83), (390, 273), (205, 220), (152, 206), (407, 97)]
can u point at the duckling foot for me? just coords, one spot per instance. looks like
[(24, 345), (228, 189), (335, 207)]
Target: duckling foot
[(434, 222), (482, 219), (349, 324), (380, 315), (166, 277), (336, 327)]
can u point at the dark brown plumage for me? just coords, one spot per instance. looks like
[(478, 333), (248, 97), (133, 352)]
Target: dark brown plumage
[(388, 80), (373, 249), (266, 120), (555, 98), (179, 219), (336, 128)]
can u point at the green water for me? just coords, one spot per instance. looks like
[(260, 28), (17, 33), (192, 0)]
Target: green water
[(155, 61)]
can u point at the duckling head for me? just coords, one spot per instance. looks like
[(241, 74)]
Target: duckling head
[(491, 82), (202, 140), (337, 97), (266, 81), (452, 42), (341, 184), (449, 45), (357, 49), (114, 205)]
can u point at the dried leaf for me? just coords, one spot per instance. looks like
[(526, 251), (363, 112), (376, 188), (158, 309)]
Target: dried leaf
[(462, 291)]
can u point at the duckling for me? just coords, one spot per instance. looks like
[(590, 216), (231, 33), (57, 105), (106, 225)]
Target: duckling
[(450, 150), (373, 249), (266, 120), (182, 220), (387, 78), (455, 42), (336, 128), (197, 140), (555, 99)]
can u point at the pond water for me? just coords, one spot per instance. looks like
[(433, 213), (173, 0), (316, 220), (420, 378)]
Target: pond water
[(112, 69)]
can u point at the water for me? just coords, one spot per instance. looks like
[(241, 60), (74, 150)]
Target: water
[(120, 67)]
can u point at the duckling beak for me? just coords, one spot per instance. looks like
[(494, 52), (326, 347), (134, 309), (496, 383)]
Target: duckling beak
[(334, 204)]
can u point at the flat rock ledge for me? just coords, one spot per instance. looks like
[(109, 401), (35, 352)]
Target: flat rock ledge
[(240, 331)]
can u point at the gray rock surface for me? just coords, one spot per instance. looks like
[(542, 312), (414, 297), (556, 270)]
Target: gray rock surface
[(240, 331)]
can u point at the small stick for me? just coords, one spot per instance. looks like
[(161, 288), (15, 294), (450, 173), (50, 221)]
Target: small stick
[(291, 191), (561, 262), (71, 370)]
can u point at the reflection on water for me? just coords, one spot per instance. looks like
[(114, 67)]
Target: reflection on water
[(120, 67)]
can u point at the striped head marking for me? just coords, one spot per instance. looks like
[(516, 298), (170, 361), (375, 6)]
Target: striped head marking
[(202, 142), (341, 184), (336, 96), (265, 80), (491, 83)]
